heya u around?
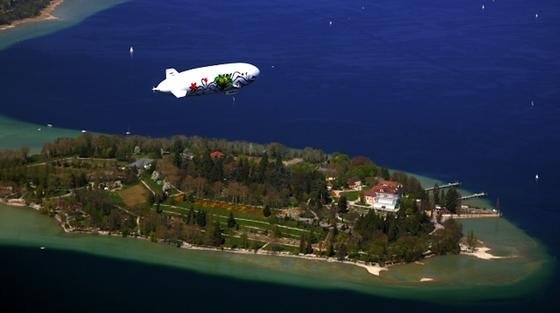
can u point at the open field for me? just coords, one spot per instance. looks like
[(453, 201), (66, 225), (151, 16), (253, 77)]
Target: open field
[(134, 195)]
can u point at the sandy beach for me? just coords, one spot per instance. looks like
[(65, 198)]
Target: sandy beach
[(46, 14), (481, 252)]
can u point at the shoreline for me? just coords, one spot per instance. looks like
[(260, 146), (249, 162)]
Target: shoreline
[(45, 15), (481, 252), (373, 269)]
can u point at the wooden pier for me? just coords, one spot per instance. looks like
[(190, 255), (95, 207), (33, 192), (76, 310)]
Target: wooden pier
[(475, 195), (448, 185)]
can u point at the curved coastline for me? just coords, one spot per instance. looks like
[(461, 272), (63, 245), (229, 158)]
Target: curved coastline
[(45, 15), (449, 275), (63, 14), (15, 133)]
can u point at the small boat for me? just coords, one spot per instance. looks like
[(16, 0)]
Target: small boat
[(330, 23), (42, 248), (537, 177), (39, 129), (49, 125), (128, 133), (483, 6), (131, 50), (84, 131)]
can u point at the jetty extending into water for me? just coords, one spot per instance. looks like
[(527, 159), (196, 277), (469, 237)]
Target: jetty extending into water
[(474, 195), (448, 185)]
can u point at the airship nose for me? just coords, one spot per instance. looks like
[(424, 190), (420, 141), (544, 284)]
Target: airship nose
[(254, 71)]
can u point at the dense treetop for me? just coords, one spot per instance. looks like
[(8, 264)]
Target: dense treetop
[(12, 10)]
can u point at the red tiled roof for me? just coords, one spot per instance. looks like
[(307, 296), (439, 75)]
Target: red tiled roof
[(217, 154), (385, 186)]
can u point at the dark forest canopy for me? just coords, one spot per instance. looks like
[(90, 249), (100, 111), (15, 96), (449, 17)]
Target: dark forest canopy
[(122, 147), (13, 10)]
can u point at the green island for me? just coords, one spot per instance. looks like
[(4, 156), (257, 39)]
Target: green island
[(11, 11), (241, 197)]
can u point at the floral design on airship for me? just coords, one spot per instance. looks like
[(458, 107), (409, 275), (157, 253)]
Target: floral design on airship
[(223, 81), (193, 86)]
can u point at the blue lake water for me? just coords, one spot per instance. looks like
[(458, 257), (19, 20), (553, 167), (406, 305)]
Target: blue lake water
[(441, 88)]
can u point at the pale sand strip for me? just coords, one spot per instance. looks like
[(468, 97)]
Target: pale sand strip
[(482, 253), (373, 269), (45, 15)]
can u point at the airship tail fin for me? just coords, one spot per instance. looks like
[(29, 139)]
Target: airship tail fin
[(170, 72)]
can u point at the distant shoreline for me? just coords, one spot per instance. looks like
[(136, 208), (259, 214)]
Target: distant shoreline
[(45, 15)]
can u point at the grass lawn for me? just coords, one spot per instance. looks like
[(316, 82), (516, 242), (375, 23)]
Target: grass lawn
[(352, 195), (134, 195), (244, 221), (155, 187)]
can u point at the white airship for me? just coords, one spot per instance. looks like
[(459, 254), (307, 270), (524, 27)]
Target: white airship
[(223, 78)]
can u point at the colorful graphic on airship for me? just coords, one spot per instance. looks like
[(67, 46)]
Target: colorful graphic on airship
[(223, 78)]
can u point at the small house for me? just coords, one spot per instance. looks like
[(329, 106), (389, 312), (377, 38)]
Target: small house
[(384, 196), (354, 183)]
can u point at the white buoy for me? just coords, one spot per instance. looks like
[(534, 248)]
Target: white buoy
[(131, 51), (537, 177), (38, 129), (272, 66), (49, 125), (483, 6), (84, 131), (128, 133), (42, 248), (536, 15), (330, 23)]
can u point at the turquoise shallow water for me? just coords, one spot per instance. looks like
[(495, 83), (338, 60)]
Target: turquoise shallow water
[(15, 133), (459, 278), (70, 13)]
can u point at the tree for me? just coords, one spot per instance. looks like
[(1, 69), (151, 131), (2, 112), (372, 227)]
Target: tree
[(302, 243), (342, 204), (214, 235), (201, 218), (266, 211), (244, 240), (436, 194), (447, 240), (261, 170), (362, 198), (472, 242), (330, 248), (452, 200), (341, 252), (177, 159), (231, 223)]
